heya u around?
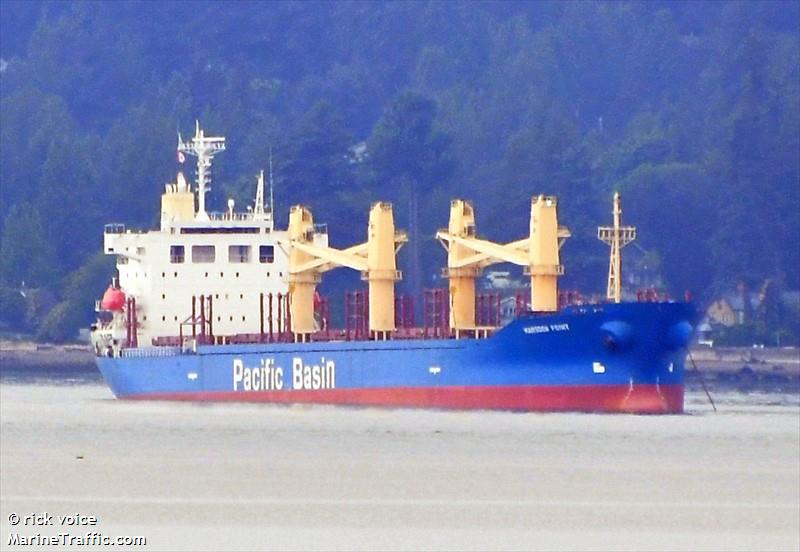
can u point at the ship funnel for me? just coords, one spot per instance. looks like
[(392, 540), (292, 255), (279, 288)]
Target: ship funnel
[(182, 186), (177, 203)]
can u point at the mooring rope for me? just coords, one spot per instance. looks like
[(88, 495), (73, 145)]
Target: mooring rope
[(703, 382)]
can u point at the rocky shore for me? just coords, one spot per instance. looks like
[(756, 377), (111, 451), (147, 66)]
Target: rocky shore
[(23, 359), (745, 369), (26, 353)]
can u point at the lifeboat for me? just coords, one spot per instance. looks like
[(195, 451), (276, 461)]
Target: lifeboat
[(113, 299)]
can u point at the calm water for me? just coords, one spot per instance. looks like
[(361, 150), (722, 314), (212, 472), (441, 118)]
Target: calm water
[(219, 477)]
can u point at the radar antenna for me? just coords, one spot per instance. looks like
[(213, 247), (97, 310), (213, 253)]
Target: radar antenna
[(271, 188), (258, 209), (204, 148), (259, 213), (617, 237)]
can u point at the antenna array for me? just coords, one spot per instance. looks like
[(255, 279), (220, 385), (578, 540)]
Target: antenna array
[(204, 148)]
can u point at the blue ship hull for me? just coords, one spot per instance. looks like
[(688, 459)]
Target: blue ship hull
[(626, 357)]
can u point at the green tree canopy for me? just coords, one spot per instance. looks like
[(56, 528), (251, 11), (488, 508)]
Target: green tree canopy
[(691, 109), (26, 256)]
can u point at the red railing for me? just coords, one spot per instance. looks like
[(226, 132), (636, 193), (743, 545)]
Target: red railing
[(487, 309), (436, 308), (651, 295), (356, 314)]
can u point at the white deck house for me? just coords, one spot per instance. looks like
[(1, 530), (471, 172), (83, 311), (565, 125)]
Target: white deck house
[(232, 257)]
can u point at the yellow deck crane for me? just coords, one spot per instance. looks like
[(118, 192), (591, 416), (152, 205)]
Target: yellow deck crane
[(375, 259), (617, 237), (467, 256)]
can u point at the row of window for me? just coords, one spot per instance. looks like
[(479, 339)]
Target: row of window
[(219, 318), (226, 296), (221, 274), (208, 254)]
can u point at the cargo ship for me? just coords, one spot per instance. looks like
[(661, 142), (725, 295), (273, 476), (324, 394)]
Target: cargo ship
[(224, 306)]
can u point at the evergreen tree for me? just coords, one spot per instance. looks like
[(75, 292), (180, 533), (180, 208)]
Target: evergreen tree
[(26, 256), (691, 109), (410, 157)]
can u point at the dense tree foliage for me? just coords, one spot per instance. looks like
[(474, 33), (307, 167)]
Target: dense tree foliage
[(691, 109)]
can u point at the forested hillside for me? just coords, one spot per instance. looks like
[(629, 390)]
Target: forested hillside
[(690, 109)]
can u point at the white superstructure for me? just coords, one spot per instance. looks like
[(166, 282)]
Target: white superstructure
[(234, 257)]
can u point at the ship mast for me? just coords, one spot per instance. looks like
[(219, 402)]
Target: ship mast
[(617, 237), (258, 209), (271, 189), (204, 148)]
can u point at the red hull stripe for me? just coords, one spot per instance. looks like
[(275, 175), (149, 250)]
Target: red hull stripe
[(651, 399)]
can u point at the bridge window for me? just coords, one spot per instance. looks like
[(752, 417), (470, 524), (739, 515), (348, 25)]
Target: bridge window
[(237, 230), (177, 254), (114, 228), (238, 253), (266, 253), (203, 254)]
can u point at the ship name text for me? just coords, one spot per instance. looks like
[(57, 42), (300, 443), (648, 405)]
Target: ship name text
[(268, 376), (546, 328)]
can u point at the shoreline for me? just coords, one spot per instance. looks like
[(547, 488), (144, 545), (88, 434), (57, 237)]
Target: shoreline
[(45, 355)]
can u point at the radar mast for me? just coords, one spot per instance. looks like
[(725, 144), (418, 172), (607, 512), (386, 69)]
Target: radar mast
[(258, 208), (204, 148), (260, 211), (617, 237)]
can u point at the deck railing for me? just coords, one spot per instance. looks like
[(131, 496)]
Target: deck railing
[(150, 352)]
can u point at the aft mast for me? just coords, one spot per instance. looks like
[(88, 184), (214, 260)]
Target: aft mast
[(260, 212), (258, 209), (204, 148), (617, 237), (271, 189)]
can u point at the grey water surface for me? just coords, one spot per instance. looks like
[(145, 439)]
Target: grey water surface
[(263, 477)]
